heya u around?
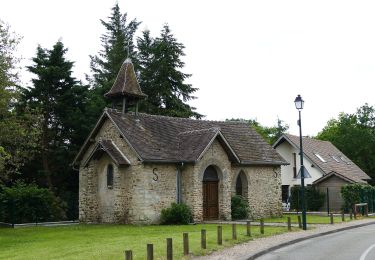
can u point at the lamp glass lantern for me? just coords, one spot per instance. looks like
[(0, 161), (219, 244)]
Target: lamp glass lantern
[(299, 102)]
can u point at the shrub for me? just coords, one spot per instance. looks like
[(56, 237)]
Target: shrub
[(23, 203), (314, 198), (176, 214), (357, 193), (239, 208)]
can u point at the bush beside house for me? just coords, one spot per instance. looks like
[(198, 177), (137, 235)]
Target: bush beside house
[(314, 198)]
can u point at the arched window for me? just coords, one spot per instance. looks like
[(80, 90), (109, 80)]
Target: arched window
[(110, 176), (210, 174), (239, 186)]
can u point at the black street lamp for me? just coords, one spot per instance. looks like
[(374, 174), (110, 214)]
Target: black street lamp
[(299, 105)]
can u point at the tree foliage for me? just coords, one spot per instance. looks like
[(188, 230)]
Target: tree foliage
[(18, 131), (269, 133), (117, 44), (354, 135), (161, 77), (22, 203), (61, 102)]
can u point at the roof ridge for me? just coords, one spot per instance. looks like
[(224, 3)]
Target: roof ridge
[(181, 118), (213, 129)]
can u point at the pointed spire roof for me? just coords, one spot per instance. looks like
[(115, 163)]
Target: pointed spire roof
[(126, 83)]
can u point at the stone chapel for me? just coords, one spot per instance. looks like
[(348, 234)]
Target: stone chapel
[(132, 165)]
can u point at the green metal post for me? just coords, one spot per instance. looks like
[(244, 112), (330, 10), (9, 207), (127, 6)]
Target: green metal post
[(302, 174)]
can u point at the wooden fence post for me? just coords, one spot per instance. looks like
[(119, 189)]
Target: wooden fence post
[(186, 243), (234, 232), (248, 228), (331, 218), (203, 239), (128, 255), (169, 249), (219, 235), (262, 226), (299, 221), (289, 224), (150, 252)]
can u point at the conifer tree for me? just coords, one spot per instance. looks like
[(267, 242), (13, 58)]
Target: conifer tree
[(117, 45), (161, 77), (60, 99)]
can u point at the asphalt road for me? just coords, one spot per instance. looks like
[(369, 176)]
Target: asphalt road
[(354, 244)]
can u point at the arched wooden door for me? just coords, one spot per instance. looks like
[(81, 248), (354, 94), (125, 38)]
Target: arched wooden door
[(210, 194)]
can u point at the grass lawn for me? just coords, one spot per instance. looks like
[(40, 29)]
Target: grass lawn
[(110, 241), (310, 219)]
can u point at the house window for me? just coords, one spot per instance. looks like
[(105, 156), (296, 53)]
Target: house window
[(320, 157), (110, 176), (335, 158), (239, 186), (294, 165)]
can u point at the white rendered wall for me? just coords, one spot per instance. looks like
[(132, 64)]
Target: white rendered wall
[(286, 151)]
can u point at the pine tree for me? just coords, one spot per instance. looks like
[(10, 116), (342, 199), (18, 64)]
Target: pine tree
[(161, 77), (117, 45), (60, 99)]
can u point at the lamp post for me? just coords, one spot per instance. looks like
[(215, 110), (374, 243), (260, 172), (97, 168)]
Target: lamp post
[(299, 105)]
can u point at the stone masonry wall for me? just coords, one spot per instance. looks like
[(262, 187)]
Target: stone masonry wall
[(141, 191), (217, 157), (97, 203), (264, 191)]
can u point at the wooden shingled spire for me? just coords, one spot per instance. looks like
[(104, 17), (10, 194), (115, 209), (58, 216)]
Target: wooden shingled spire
[(126, 87)]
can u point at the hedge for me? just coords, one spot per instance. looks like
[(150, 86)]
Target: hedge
[(22, 203), (314, 198)]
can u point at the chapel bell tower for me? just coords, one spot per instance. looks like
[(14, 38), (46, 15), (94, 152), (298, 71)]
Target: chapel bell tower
[(126, 88)]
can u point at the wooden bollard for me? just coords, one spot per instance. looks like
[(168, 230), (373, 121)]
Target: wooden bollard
[(342, 216), (331, 218), (128, 255), (169, 249), (366, 210), (262, 226), (289, 224), (186, 243), (219, 235), (248, 228), (299, 221), (150, 252), (203, 239), (351, 216), (234, 232), (355, 214)]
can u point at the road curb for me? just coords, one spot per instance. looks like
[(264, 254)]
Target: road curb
[(273, 248)]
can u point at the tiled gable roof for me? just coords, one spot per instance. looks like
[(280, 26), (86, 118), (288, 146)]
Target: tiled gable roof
[(107, 146), (343, 166), (169, 139), (159, 138)]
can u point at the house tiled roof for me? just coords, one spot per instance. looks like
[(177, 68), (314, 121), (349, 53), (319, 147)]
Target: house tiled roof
[(126, 83), (169, 139), (107, 146), (335, 160)]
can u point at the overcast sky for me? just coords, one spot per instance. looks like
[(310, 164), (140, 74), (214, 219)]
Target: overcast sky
[(249, 59)]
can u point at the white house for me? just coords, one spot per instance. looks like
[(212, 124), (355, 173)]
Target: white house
[(327, 166)]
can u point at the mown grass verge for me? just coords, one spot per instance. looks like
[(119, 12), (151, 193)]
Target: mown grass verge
[(110, 241)]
